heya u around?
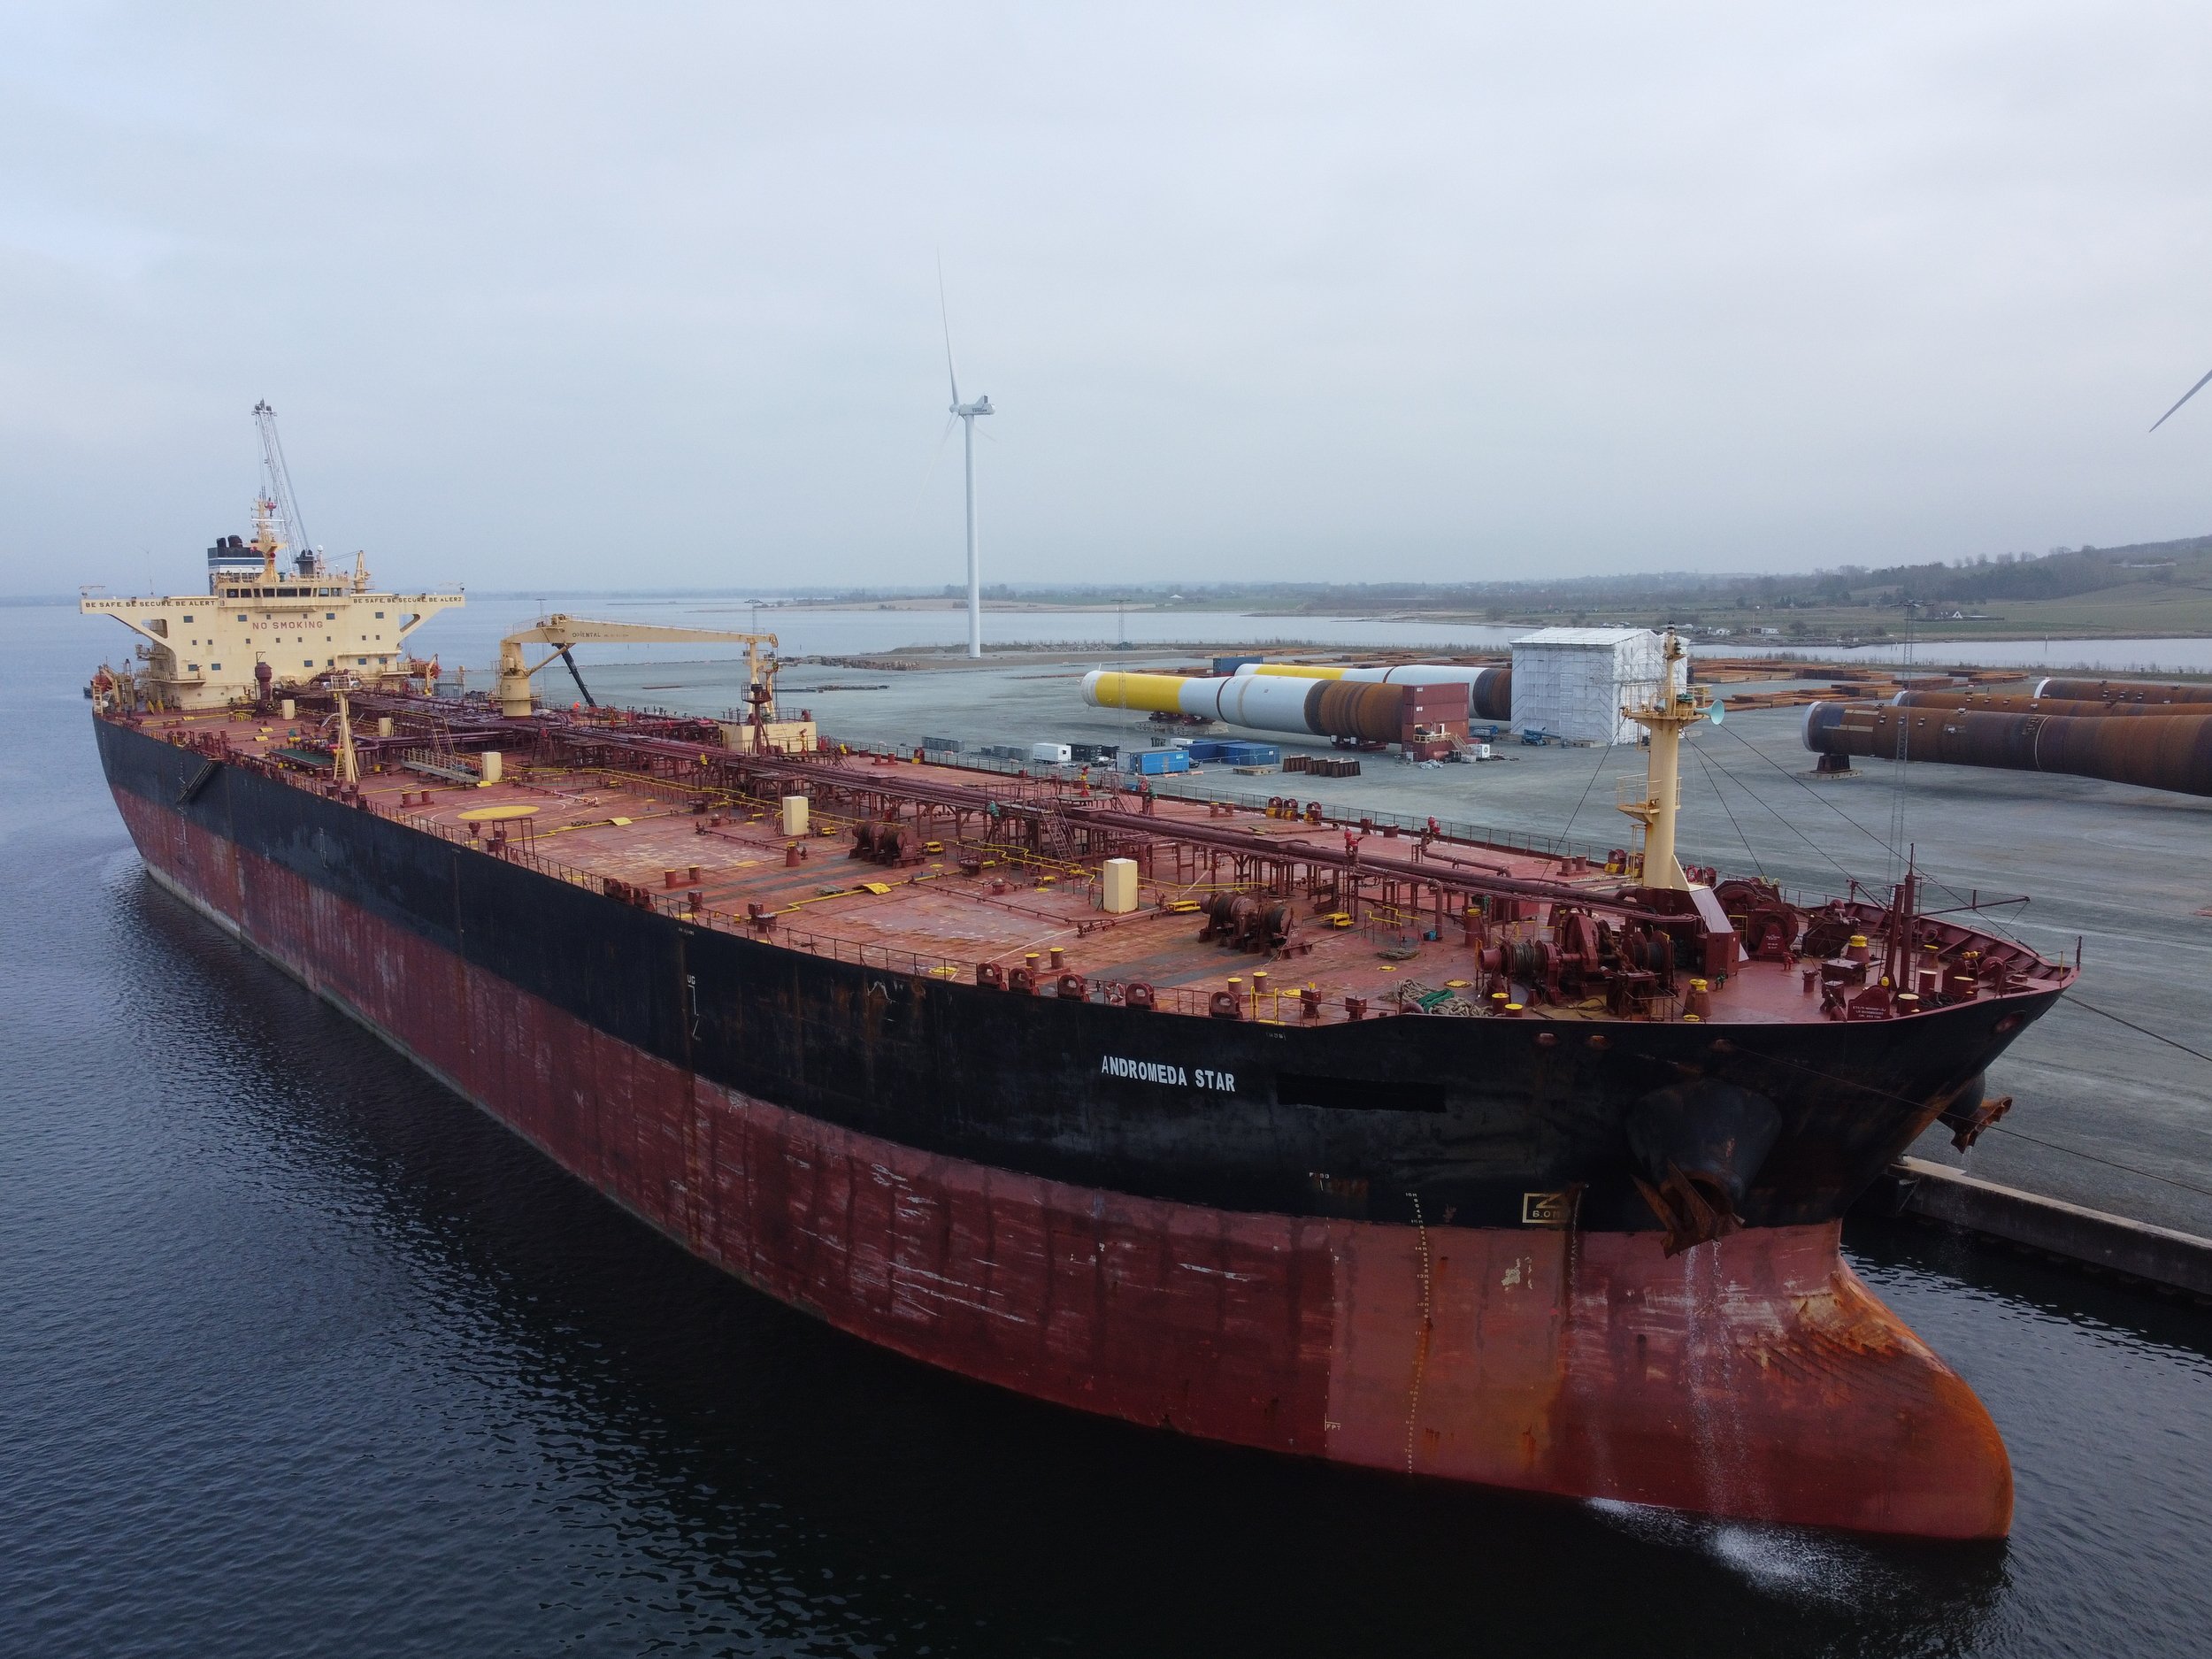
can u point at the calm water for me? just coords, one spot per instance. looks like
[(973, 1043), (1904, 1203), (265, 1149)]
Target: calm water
[(298, 1353)]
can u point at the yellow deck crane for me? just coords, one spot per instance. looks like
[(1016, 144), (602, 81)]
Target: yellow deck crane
[(562, 632)]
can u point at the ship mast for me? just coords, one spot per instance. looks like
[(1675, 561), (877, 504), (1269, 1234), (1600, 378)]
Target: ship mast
[(1665, 714), (347, 762)]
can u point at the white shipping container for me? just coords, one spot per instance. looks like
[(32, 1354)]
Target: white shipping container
[(1050, 753)]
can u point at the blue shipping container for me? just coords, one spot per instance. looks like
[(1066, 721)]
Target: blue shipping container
[(1154, 762), (1230, 664)]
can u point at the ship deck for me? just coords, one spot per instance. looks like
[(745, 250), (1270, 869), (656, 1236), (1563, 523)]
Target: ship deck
[(1381, 926)]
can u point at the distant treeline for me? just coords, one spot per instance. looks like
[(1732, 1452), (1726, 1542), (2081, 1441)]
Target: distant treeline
[(2061, 574)]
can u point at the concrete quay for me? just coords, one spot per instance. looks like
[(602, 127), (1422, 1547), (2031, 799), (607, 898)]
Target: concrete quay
[(2159, 1257)]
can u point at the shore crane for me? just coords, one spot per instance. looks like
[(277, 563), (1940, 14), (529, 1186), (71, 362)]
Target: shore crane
[(562, 632)]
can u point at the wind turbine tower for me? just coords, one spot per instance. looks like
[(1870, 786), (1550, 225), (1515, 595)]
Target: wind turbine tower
[(966, 413)]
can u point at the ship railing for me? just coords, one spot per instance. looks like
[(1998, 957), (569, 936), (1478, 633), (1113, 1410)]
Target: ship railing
[(821, 816), (1182, 788), (1265, 1006), (1270, 1005), (1561, 847)]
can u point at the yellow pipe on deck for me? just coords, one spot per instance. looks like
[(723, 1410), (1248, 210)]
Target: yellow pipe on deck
[(1298, 670)]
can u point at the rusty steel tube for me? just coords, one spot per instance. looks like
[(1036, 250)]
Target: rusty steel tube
[(2172, 753), (2121, 691), (1370, 711), (2014, 702), (1492, 698), (1489, 690), (1344, 707)]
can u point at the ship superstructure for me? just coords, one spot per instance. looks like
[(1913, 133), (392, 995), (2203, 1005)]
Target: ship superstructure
[(298, 620), (274, 614)]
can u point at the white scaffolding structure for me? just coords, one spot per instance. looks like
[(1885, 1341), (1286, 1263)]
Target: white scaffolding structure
[(1573, 682)]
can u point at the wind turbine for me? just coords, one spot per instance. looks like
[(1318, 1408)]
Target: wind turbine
[(966, 413), (2186, 396)]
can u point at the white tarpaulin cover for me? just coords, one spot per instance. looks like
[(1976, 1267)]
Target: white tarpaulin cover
[(1573, 682)]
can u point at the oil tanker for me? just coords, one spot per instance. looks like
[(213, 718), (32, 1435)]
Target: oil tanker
[(1281, 1127)]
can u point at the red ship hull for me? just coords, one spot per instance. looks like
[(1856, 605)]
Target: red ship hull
[(1754, 1377)]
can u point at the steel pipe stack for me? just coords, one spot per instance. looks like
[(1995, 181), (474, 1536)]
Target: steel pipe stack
[(1489, 690), (2173, 752)]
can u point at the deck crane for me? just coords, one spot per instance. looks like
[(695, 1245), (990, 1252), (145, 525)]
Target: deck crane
[(562, 632), (276, 488)]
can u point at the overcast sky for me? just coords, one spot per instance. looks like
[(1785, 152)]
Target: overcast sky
[(555, 296)]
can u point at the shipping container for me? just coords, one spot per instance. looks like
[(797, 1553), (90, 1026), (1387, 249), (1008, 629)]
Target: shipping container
[(1152, 762)]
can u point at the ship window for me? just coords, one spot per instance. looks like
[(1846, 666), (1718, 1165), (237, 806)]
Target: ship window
[(309, 663), (1347, 1093), (188, 618), (380, 615), (241, 616), (191, 668), (329, 615), (288, 593), (363, 661), (217, 667)]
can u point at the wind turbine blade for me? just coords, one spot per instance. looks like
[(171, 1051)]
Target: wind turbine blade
[(945, 316), (950, 422), (2155, 425)]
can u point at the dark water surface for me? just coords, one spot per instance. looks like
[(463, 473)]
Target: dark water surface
[(299, 1353)]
